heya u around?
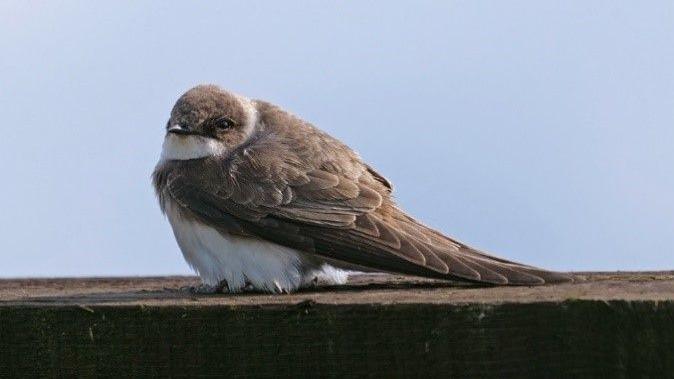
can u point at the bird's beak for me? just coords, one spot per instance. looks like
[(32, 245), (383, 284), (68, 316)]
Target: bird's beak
[(178, 129)]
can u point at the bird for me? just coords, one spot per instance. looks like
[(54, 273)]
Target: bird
[(260, 200)]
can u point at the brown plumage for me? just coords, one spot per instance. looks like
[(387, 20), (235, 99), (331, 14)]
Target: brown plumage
[(283, 180)]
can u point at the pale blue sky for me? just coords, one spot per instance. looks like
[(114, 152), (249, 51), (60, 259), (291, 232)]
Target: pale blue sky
[(542, 131)]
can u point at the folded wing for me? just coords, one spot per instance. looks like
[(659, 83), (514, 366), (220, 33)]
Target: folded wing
[(347, 219)]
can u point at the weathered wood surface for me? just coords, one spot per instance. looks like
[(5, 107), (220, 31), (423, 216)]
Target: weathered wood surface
[(605, 325)]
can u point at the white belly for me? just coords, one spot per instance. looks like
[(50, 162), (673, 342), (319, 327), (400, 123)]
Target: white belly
[(241, 261)]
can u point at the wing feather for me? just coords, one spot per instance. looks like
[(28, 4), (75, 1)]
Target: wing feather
[(347, 216)]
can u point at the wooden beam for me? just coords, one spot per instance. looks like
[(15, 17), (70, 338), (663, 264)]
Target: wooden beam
[(608, 324)]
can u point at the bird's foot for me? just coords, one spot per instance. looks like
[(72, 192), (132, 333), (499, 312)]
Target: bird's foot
[(249, 288), (222, 287), (280, 290)]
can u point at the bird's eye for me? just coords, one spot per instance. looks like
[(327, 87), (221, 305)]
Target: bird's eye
[(223, 122)]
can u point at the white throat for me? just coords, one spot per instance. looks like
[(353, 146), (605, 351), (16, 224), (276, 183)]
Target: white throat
[(183, 147)]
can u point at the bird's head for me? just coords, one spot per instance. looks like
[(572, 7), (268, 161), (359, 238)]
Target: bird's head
[(208, 121)]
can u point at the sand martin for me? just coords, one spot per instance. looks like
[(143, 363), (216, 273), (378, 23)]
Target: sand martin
[(260, 199)]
